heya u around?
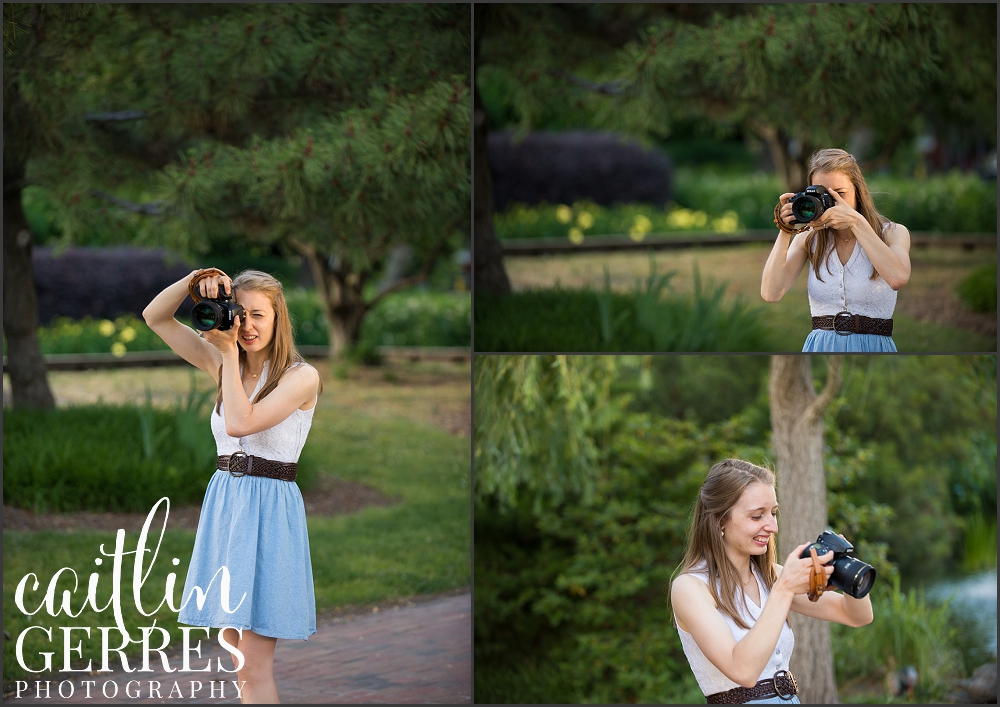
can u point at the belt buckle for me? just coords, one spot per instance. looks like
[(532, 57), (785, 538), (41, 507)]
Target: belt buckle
[(848, 317), (774, 682), (237, 474)]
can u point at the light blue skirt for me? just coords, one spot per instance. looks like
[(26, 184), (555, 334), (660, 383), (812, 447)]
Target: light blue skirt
[(826, 341), (256, 528), (775, 701)]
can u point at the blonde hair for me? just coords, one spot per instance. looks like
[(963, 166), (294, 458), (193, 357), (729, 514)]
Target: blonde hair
[(281, 353), (722, 489), (820, 244)]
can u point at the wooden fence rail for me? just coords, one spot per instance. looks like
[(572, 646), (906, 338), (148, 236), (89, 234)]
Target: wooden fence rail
[(147, 359), (607, 243)]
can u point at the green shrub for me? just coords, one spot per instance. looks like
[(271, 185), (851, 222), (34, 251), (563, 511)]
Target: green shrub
[(414, 318), (644, 320), (906, 630), (979, 289), (707, 200), (126, 333), (106, 458), (401, 319)]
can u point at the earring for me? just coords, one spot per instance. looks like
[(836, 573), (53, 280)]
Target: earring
[(723, 533)]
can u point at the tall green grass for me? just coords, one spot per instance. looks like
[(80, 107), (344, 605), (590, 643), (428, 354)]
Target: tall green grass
[(979, 544), (651, 318), (106, 457), (906, 630)]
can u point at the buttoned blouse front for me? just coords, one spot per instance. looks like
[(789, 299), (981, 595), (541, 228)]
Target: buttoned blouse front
[(849, 287)]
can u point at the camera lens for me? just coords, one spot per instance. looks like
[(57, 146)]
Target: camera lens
[(205, 316), (806, 209), (853, 576)]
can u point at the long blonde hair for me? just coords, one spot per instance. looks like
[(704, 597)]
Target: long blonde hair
[(821, 242), (282, 353), (722, 489)]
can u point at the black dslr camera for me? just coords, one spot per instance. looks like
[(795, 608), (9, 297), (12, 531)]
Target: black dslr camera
[(216, 313), (850, 574), (810, 204)]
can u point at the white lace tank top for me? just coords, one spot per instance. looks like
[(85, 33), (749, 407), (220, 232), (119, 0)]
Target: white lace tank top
[(281, 443), (710, 678), (849, 287)]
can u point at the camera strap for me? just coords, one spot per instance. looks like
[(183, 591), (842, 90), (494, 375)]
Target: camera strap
[(817, 582), (202, 274), (781, 224)]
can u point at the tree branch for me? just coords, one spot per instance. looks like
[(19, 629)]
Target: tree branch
[(153, 208), (420, 277), (119, 116), (611, 88), (833, 380)]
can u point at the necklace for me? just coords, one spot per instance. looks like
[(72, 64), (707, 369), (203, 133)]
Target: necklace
[(255, 375)]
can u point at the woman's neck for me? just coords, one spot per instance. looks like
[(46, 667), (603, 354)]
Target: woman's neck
[(741, 562), (255, 362)]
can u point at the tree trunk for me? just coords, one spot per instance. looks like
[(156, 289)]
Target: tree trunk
[(792, 169), (340, 293), (29, 385), (488, 273), (797, 436)]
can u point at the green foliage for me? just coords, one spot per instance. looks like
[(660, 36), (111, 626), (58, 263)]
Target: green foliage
[(906, 631), (777, 71), (570, 596), (726, 202), (651, 318), (979, 289), (126, 333), (106, 458), (584, 219), (535, 418)]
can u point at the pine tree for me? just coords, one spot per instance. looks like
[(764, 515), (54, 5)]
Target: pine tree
[(341, 131), (798, 77)]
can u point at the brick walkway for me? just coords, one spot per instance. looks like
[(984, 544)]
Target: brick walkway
[(414, 654)]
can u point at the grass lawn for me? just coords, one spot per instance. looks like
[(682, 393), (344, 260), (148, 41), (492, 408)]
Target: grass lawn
[(926, 309), (402, 429)]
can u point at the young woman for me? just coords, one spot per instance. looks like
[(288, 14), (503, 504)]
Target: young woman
[(252, 519), (857, 261), (731, 599)]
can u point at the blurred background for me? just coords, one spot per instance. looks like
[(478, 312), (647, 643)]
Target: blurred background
[(325, 144), (587, 469), (626, 148)]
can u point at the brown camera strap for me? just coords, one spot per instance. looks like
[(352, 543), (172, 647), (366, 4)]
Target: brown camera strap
[(817, 582), (202, 274), (781, 224)]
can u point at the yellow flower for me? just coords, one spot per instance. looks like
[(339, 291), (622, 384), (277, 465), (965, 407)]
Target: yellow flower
[(585, 219), (575, 236), (118, 349), (564, 213), (128, 334), (107, 328), (729, 222), (699, 219)]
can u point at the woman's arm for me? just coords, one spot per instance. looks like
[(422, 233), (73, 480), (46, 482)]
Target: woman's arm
[(741, 661), (890, 258), (836, 607), (182, 340), (785, 262), (298, 387)]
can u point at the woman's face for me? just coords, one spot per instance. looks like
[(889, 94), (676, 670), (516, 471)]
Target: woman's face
[(753, 520), (257, 323), (840, 183)]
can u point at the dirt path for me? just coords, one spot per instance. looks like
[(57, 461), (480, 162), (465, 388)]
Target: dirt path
[(420, 652)]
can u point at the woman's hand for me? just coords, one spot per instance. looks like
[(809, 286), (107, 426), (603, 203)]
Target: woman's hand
[(840, 217), (796, 575), (785, 213), (209, 286), (224, 341)]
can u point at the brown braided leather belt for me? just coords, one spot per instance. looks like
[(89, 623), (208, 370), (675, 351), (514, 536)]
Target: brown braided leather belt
[(240, 464), (845, 323), (782, 685)]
